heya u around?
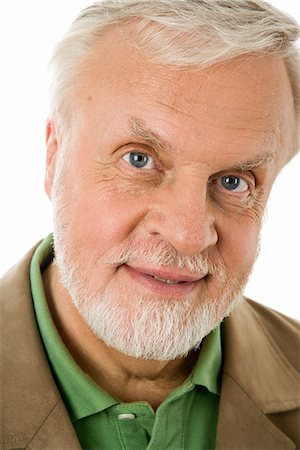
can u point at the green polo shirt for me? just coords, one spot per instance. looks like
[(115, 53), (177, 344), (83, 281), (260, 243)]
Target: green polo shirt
[(186, 419)]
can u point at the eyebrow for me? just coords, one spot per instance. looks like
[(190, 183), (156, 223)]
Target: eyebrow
[(140, 132), (263, 160)]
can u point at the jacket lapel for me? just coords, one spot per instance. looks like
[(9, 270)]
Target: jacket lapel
[(33, 414), (243, 426), (258, 381), (56, 432)]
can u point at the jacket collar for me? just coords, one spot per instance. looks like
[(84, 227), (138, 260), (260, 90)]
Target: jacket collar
[(258, 380)]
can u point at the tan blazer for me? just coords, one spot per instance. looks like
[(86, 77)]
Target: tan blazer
[(260, 398)]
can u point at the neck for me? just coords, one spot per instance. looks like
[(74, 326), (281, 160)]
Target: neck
[(127, 378)]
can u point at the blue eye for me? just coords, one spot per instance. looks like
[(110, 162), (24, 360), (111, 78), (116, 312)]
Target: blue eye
[(233, 184), (139, 160)]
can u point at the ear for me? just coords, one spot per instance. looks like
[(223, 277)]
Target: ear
[(52, 150)]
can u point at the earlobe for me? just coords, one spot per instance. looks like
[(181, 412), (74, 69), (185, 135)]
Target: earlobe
[(52, 148)]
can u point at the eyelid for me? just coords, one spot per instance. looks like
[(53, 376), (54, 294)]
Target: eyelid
[(135, 147), (141, 153), (248, 176)]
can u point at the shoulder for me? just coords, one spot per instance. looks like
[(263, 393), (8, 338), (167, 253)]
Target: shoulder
[(270, 316), (16, 281), (282, 332), (260, 398), (261, 353)]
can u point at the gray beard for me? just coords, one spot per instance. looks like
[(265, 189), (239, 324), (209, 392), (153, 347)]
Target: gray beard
[(156, 329)]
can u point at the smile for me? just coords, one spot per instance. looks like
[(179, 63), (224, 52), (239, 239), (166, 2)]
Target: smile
[(169, 283), (163, 280)]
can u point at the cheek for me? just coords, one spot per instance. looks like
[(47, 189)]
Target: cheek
[(238, 242), (102, 220)]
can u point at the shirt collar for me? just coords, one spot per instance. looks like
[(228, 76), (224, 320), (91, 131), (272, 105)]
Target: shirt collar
[(207, 370), (81, 394)]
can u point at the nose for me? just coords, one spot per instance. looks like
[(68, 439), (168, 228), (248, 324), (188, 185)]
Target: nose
[(181, 215)]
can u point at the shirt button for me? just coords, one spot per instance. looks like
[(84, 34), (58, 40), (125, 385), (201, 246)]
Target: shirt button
[(126, 416)]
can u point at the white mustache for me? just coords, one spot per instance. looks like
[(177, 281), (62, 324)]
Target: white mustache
[(162, 254)]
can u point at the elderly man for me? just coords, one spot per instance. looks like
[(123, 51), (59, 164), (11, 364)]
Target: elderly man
[(169, 122)]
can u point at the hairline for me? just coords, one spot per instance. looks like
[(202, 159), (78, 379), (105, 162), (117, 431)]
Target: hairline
[(134, 22)]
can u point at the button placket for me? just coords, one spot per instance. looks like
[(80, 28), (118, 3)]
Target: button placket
[(130, 422)]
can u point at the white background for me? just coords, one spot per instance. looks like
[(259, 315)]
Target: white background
[(29, 30)]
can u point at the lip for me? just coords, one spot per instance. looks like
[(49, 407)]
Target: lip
[(167, 273), (144, 276)]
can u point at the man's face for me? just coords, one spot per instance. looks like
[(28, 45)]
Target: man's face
[(159, 201)]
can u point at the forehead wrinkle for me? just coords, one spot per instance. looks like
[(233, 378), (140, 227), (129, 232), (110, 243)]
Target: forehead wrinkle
[(240, 118)]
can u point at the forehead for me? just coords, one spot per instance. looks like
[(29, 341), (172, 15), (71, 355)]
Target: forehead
[(247, 98)]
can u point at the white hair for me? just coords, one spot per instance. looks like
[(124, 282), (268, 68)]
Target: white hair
[(181, 33)]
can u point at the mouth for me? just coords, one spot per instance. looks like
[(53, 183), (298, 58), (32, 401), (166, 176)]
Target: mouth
[(164, 280)]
